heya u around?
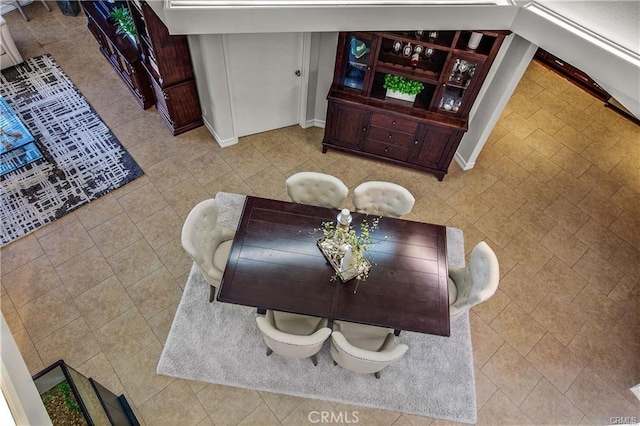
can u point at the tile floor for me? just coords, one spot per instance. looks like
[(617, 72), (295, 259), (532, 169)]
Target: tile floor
[(554, 192)]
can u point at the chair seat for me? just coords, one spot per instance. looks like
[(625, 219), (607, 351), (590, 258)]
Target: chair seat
[(221, 255), (364, 336), (300, 325)]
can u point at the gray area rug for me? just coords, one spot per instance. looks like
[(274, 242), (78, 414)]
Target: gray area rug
[(220, 343), (82, 160)]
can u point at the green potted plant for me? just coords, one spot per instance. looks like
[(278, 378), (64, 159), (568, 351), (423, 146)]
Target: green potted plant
[(124, 22), (402, 88)]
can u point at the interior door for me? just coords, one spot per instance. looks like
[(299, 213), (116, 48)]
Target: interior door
[(264, 81)]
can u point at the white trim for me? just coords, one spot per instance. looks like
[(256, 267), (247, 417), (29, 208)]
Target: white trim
[(222, 142), (464, 165), (227, 69), (17, 385), (584, 33), (215, 4), (313, 123), (305, 66)]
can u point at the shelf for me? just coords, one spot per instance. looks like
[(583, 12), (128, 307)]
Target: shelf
[(444, 39), (408, 71), (483, 49)]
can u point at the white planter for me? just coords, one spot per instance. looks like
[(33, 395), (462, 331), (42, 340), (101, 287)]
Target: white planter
[(401, 96)]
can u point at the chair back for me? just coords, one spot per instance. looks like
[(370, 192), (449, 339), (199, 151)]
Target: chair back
[(316, 189), (383, 199), (201, 236), (365, 361), (9, 53), (476, 282), (292, 345)]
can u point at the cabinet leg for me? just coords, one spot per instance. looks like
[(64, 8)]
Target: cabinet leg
[(324, 149), (440, 176)]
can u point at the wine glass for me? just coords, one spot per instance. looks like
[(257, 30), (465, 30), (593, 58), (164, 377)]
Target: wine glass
[(428, 52)]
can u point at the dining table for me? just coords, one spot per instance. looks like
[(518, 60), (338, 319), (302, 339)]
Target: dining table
[(275, 263)]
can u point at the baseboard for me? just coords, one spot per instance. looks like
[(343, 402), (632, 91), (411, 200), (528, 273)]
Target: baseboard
[(222, 142), (463, 163), (313, 123)]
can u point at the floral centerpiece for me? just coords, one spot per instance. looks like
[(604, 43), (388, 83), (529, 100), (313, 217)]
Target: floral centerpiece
[(348, 250)]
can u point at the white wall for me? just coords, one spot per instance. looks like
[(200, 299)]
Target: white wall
[(327, 56), (18, 387), (209, 60), (507, 70)]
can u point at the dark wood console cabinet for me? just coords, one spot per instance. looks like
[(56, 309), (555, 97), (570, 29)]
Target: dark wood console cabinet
[(121, 52), (161, 63), (424, 134)]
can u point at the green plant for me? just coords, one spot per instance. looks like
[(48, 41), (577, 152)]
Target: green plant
[(62, 389), (358, 242), (123, 18), (402, 84)]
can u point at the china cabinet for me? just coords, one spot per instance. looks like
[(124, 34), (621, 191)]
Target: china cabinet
[(424, 133), (155, 65)]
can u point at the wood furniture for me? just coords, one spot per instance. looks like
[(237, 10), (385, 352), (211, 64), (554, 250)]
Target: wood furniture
[(582, 80), (155, 65), (423, 134), (275, 264), (573, 74), (121, 52), (168, 62)]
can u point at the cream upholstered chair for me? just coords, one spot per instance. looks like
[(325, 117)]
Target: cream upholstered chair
[(9, 54), (474, 283), (364, 349), (383, 199), (316, 189), (292, 335), (18, 6), (207, 243)]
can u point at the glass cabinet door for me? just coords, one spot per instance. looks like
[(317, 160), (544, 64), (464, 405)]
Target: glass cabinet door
[(358, 59), (459, 78)]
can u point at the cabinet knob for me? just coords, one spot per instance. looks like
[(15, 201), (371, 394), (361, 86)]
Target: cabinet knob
[(415, 142), (364, 129), (393, 122), (368, 68), (386, 149), (389, 135)]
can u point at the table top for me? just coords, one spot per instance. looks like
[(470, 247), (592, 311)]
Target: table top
[(275, 264)]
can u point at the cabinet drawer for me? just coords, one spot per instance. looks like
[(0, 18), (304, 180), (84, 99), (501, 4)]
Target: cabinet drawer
[(390, 137), (580, 76), (386, 150), (392, 122)]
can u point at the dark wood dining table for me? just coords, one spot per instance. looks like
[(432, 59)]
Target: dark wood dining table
[(275, 264)]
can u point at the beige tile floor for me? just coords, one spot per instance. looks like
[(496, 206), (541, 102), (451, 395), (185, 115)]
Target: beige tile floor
[(554, 192)]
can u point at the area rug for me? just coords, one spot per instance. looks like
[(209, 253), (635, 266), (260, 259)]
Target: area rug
[(82, 159), (220, 343)]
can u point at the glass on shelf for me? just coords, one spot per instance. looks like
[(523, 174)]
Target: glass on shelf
[(357, 64), (462, 72), (451, 100)]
